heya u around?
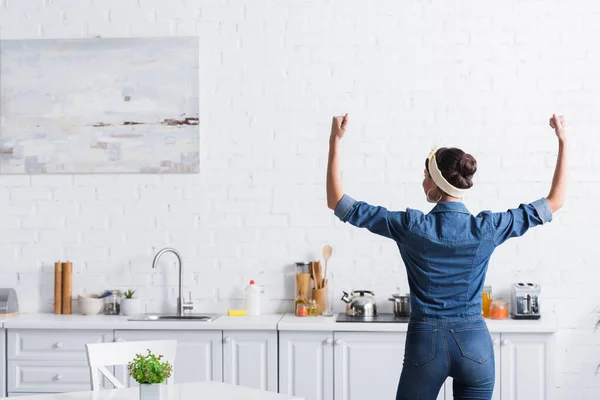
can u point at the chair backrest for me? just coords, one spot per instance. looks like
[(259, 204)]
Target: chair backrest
[(101, 355)]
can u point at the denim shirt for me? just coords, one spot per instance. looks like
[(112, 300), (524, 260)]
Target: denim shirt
[(446, 252)]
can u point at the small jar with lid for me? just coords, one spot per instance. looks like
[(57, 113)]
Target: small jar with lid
[(112, 303), (499, 310), (302, 310), (312, 308)]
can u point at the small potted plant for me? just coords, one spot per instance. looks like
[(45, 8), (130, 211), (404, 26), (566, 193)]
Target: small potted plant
[(131, 305), (150, 372)]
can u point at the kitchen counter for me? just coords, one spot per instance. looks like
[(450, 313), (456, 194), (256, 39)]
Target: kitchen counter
[(272, 322), (547, 324), (76, 321)]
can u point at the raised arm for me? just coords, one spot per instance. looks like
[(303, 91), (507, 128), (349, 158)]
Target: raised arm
[(558, 191), (335, 189)]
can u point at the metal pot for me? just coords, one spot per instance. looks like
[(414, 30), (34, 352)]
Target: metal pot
[(401, 304), (360, 303)]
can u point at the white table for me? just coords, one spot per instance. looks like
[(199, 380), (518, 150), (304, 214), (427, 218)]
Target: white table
[(183, 391)]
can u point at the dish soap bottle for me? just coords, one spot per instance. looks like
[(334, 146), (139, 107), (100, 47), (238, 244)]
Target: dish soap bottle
[(253, 299)]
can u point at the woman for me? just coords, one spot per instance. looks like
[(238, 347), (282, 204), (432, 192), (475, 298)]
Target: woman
[(446, 254)]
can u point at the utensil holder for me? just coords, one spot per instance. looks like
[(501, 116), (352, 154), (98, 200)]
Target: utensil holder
[(320, 296)]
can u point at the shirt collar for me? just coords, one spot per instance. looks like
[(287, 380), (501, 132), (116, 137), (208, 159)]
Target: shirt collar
[(450, 206)]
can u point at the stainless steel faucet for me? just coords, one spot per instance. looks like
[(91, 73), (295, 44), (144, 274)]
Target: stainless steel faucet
[(181, 305)]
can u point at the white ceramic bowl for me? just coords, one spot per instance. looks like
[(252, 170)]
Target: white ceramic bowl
[(89, 305)]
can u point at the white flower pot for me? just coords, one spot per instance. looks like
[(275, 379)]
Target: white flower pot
[(155, 391), (131, 307)]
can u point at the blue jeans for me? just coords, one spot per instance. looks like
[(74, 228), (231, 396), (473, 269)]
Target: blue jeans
[(437, 350)]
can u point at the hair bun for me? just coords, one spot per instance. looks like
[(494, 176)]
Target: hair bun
[(467, 166)]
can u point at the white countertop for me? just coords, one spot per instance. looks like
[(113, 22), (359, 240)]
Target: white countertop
[(271, 322), (547, 324), (77, 321), (185, 391)]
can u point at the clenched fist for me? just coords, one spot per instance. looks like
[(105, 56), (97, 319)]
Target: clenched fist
[(559, 125), (338, 127)]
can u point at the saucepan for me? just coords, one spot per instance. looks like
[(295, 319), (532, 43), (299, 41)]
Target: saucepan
[(401, 304)]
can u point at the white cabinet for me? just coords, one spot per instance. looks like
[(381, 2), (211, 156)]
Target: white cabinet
[(306, 364), (49, 361), (367, 364), (527, 366), (198, 358), (250, 359), (2, 363)]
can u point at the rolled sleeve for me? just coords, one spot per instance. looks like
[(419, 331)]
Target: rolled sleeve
[(543, 210), (343, 208), (515, 222), (391, 224)]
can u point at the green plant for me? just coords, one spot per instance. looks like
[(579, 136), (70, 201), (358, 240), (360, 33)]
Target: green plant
[(149, 369), (129, 294)]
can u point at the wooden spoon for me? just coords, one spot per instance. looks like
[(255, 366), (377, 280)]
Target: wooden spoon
[(327, 252)]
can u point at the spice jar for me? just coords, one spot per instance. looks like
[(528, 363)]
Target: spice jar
[(312, 308), (112, 303), (486, 301), (302, 310)]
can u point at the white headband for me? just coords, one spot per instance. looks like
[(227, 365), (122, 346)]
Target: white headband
[(439, 179)]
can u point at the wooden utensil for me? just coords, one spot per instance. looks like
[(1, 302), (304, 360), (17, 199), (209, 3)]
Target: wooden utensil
[(58, 287), (319, 274), (67, 287), (315, 272), (327, 252)]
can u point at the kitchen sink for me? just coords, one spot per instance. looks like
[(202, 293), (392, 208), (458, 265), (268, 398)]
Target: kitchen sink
[(164, 317)]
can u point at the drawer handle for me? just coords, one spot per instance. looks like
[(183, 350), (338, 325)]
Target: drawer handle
[(58, 377), (227, 340), (505, 342), (328, 340), (118, 339), (338, 342), (58, 345)]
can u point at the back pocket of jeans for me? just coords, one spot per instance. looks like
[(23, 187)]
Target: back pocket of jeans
[(474, 343), (420, 346)]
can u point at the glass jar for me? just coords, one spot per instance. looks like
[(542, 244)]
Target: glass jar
[(486, 297), (499, 310), (302, 283), (112, 303), (312, 308), (302, 310)]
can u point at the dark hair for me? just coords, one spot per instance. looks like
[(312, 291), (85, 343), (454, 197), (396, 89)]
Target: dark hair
[(456, 166)]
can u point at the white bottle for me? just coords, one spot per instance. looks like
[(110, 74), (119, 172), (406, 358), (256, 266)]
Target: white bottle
[(252, 299)]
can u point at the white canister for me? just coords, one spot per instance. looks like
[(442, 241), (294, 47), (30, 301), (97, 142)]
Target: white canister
[(253, 299), (155, 391)]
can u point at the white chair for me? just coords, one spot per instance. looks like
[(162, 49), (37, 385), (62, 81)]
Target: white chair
[(101, 355)]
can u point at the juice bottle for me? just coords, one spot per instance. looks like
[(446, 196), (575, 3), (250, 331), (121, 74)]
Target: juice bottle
[(486, 301)]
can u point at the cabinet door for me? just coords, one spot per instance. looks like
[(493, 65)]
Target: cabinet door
[(198, 358), (497, 356), (367, 364), (527, 366), (2, 362), (250, 359), (306, 364)]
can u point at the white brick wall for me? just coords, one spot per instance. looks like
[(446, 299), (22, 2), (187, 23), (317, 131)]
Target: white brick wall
[(483, 75)]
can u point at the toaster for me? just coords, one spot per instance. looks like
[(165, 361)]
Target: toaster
[(525, 302)]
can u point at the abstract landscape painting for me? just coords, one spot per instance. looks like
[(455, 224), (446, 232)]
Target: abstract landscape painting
[(99, 106)]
